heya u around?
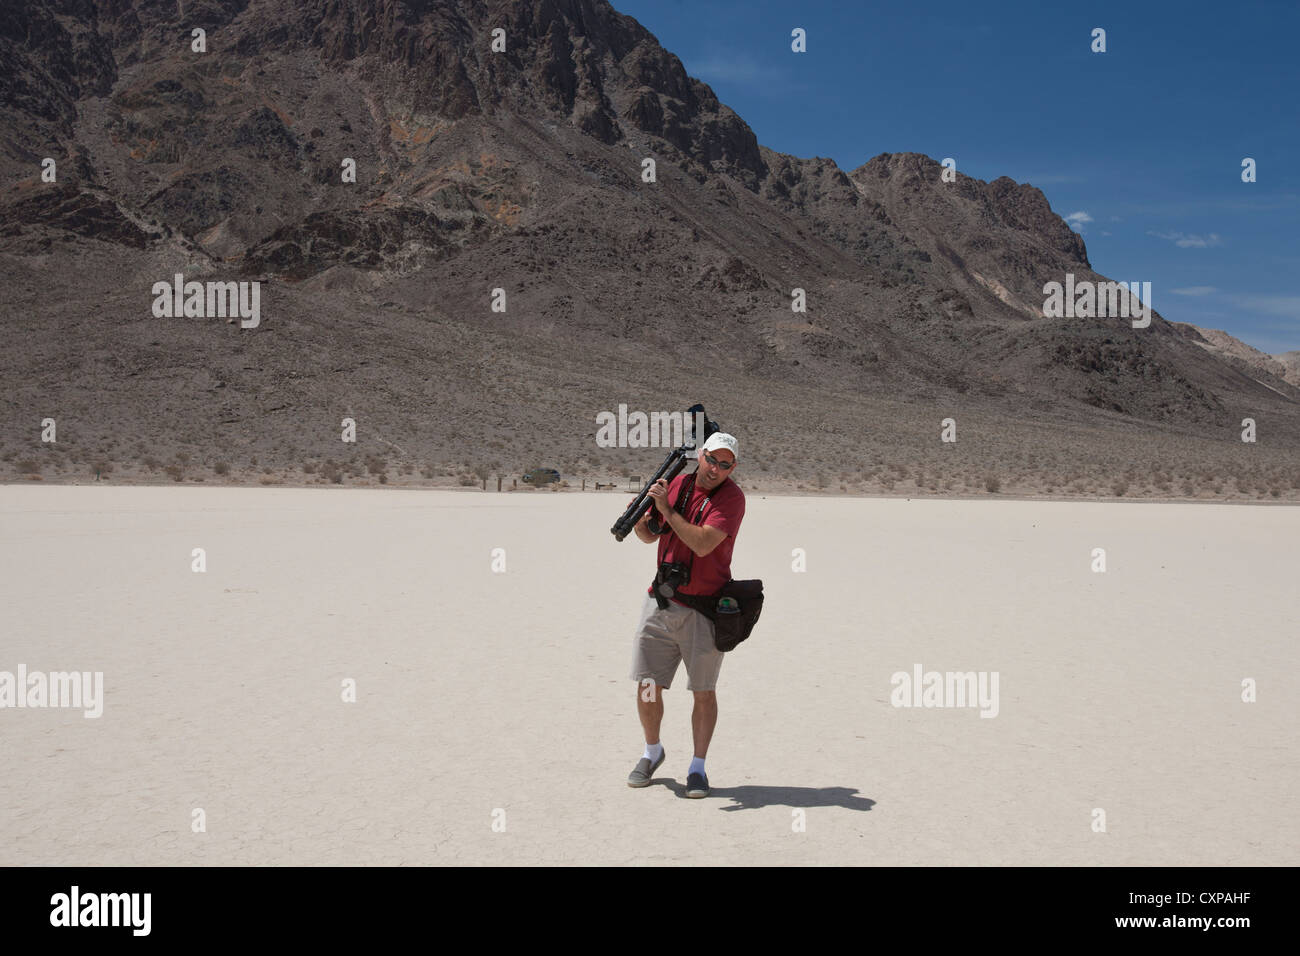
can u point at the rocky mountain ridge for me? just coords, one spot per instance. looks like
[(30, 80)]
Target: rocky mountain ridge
[(522, 170)]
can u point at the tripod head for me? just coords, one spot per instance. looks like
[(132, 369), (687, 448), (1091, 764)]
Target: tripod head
[(697, 431)]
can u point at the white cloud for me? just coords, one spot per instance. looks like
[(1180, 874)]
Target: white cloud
[(1194, 290), (1284, 305), (1049, 179), (1077, 219), (1188, 240), (738, 69)]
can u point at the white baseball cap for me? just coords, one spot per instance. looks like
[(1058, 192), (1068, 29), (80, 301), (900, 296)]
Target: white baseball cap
[(722, 440)]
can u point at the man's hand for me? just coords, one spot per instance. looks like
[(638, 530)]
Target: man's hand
[(659, 492), (642, 527)]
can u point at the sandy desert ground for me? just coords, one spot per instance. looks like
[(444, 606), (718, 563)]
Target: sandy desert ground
[(500, 697)]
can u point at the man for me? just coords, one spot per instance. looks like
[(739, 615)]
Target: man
[(700, 529)]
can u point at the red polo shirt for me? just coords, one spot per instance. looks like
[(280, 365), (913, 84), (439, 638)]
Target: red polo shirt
[(724, 508)]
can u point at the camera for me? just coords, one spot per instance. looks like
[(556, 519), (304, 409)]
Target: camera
[(672, 576)]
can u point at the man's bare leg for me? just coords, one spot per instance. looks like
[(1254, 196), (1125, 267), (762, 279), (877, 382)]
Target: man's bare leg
[(650, 708), (704, 717)]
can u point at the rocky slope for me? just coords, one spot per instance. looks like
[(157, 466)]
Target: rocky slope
[(522, 170)]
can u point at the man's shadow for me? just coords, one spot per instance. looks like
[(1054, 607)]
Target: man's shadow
[(751, 798)]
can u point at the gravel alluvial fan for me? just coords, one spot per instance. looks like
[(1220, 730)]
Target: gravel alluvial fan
[(383, 167)]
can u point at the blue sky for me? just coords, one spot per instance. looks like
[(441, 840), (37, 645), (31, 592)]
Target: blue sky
[(1144, 142)]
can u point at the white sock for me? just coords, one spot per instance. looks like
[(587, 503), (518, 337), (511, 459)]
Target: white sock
[(697, 766), (654, 752)]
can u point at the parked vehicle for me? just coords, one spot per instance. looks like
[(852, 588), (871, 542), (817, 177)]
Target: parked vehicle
[(542, 476)]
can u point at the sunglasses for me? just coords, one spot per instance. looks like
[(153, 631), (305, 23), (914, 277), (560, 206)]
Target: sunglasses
[(724, 465)]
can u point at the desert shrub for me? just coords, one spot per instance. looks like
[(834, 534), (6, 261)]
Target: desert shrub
[(992, 483), (28, 466), (221, 468), (175, 471)]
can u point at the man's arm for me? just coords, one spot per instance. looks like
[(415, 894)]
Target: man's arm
[(701, 539)]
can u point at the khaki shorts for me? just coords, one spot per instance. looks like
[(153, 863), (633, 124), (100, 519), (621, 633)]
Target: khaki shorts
[(666, 638)]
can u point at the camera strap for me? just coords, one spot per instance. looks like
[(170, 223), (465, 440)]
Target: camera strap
[(683, 498), (688, 489), (680, 506)]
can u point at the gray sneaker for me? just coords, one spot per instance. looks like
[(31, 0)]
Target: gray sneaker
[(640, 777)]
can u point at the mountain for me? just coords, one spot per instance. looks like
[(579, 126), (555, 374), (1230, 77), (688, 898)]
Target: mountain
[(524, 170), (1291, 362), (1236, 352)]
